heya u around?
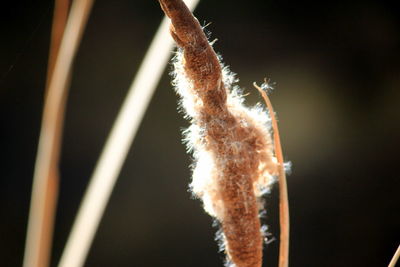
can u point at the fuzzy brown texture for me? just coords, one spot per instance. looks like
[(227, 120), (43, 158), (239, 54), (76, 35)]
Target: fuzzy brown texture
[(201, 63), (236, 141)]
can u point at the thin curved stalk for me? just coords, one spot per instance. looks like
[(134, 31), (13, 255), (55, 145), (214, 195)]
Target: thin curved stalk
[(283, 193), (45, 180), (60, 16), (395, 258), (116, 148)]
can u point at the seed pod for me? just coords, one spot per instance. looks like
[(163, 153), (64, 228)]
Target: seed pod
[(232, 146)]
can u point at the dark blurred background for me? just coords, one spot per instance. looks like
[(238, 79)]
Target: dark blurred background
[(335, 65)]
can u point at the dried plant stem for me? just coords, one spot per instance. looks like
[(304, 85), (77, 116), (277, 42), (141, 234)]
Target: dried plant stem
[(46, 180), (44, 189), (395, 258), (116, 148), (283, 193), (60, 16)]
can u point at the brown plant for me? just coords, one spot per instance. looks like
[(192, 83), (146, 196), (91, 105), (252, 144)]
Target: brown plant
[(231, 143)]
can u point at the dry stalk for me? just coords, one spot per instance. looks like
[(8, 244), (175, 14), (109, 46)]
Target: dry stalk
[(283, 194), (395, 257), (45, 179), (117, 146), (60, 16), (44, 201), (232, 144)]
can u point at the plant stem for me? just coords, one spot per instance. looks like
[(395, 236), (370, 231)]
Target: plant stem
[(45, 187), (116, 148), (60, 16), (395, 258), (283, 193)]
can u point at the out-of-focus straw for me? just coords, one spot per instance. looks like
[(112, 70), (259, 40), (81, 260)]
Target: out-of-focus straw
[(117, 146), (45, 180), (395, 258)]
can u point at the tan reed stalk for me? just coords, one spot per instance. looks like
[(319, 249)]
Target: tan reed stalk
[(395, 258), (42, 243), (116, 148), (232, 144), (60, 16), (283, 194), (45, 183)]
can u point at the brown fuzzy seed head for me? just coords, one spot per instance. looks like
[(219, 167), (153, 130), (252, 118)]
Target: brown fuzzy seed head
[(232, 144), (238, 147)]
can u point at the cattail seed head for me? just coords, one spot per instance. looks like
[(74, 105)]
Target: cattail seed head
[(232, 146), (234, 163)]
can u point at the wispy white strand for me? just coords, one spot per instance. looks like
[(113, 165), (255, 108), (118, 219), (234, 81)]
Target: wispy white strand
[(117, 147)]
